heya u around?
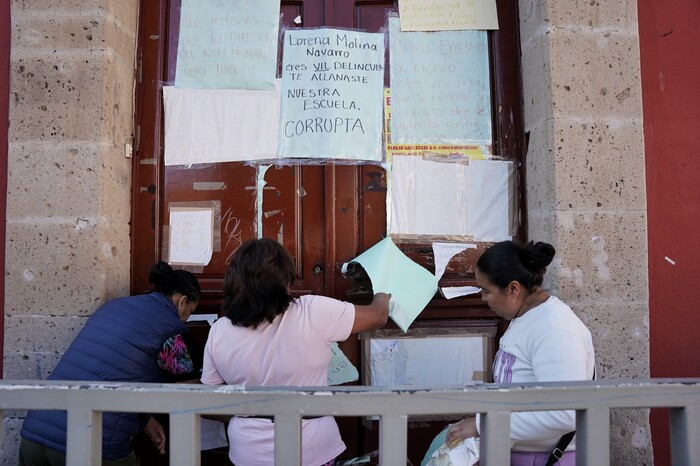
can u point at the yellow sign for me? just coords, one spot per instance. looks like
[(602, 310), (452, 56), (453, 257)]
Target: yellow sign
[(474, 152)]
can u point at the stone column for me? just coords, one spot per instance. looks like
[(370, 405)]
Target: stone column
[(586, 182), (69, 180)]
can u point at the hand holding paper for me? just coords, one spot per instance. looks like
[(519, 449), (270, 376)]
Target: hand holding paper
[(410, 285)]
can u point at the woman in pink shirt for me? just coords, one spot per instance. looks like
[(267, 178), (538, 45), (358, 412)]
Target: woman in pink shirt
[(268, 337)]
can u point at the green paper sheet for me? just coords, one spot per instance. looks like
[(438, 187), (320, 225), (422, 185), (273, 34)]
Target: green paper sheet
[(340, 369), (391, 271)]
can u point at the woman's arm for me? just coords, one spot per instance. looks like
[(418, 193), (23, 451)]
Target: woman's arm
[(372, 316), (175, 360), (464, 429), (156, 433)]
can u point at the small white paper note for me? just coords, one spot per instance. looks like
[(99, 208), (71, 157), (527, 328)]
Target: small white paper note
[(213, 434), (443, 252), (450, 292), (191, 235), (211, 318)]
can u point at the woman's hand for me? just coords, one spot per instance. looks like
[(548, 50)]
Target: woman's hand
[(373, 315), (464, 429), (156, 433)]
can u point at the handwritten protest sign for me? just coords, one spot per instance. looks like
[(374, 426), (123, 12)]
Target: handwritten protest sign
[(443, 15), (191, 235), (227, 44), (332, 86), (440, 89), (473, 151)]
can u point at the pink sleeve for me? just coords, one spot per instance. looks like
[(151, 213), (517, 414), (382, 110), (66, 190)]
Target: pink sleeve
[(210, 375), (332, 319)]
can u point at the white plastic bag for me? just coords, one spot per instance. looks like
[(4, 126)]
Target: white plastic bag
[(461, 453)]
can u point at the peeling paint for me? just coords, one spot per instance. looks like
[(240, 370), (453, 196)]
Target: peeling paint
[(81, 224), (107, 250), (576, 275), (272, 213), (640, 439), (209, 186), (301, 192), (601, 258), (260, 185)]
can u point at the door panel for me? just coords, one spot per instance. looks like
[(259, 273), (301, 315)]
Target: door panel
[(365, 15), (293, 214)]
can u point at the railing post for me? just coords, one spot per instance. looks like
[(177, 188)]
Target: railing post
[(185, 439), (84, 441), (593, 437), (287, 440), (393, 440), (494, 442), (685, 435)]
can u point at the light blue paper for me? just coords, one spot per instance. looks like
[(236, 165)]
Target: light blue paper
[(391, 271), (340, 369), (440, 88), (227, 44), (332, 94)]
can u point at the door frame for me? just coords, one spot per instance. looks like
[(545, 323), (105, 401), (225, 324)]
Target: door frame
[(5, 45)]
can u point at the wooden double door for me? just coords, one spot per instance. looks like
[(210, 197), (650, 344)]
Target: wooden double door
[(324, 214)]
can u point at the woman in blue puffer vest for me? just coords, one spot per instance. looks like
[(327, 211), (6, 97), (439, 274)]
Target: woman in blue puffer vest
[(131, 339)]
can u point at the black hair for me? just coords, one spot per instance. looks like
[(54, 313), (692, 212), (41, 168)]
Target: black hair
[(256, 286), (508, 261), (167, 281)]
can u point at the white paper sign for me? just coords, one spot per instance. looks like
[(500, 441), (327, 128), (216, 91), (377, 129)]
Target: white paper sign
[(448, 199), (428, 197), (426, 362), (488, 200), (191, 236), (220, 125)]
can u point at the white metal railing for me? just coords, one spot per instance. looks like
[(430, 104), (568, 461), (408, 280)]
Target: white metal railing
[(592, 400)]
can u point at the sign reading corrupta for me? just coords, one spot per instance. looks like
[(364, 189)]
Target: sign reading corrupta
[(332, 86)]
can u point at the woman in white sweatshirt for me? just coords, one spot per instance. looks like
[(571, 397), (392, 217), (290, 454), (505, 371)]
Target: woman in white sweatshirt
[(545, 342)]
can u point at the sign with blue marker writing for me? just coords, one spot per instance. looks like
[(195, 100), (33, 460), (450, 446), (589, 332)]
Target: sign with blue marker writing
[(332, 87), (227, 44), (340, 369), (440, 88)]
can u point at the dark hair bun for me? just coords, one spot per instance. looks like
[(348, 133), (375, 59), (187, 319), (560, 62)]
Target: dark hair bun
[(159, 273), (537, 256)]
